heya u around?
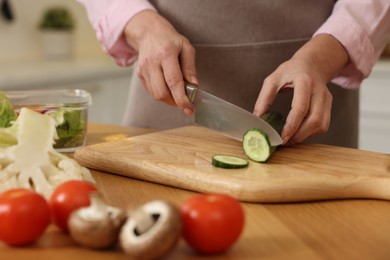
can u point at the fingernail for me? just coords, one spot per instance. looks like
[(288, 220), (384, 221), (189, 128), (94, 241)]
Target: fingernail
[(285, 140), (194, 80)]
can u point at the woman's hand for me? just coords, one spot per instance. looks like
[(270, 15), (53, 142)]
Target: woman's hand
[(307, 73), (166, 58), (311, 104)]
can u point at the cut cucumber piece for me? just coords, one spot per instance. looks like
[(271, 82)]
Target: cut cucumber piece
[(256, 145), (255, 142), (228, 162)]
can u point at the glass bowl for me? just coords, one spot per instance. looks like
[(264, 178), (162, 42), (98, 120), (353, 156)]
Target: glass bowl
[(68, 107)]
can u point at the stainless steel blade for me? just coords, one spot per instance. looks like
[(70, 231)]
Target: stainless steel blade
[(218, 114)]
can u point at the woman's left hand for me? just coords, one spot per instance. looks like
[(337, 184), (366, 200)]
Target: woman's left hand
[(307, 73), (311, 104)]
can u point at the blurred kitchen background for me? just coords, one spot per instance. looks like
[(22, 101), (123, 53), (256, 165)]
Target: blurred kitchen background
[(24, 64)]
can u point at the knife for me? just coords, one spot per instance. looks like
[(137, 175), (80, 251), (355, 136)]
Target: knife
[(218, 114)]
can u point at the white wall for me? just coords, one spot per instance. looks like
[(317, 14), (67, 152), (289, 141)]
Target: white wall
[(20, 39)]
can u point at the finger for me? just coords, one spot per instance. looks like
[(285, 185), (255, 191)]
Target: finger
[(144, 82), (299, 107), (150, 74), (159, 88), (187, 61), (144, 71), (266, 97), (317, 120), (174, 80)]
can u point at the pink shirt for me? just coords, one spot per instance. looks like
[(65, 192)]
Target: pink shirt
[(362, 26)]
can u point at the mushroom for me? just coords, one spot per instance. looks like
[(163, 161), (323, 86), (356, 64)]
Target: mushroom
[(151, 230), (96, 226)]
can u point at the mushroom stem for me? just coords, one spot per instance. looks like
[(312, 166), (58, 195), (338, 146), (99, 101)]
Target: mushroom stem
[(144, 221), (96, 226), (97, 209)]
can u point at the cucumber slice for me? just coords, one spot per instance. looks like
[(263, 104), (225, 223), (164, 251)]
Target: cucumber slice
[(256, 145), (255, 142), (228, 162)]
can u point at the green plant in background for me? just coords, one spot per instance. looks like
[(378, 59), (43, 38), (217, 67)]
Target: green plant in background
[(57, 18)]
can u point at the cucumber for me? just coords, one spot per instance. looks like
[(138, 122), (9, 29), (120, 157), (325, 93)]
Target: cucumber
[(228, 162), (256, 145), (255, 142), (275, 119)]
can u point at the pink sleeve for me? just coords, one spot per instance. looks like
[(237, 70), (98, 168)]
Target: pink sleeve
[(363, 27), (109, 19)]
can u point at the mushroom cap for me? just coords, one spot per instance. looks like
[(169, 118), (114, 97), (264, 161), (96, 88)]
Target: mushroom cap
[(159, 239), (97, 233)]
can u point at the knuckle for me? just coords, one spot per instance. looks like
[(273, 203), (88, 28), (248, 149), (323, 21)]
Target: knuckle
[(166, 51), (139, 74), (291, 127), (318, 125), (180, 103), (315, 123), (322, 131), (329, 95), (268, 81), (144, 64), (141, 65), (185, 41), (300, 109), (191, 50), (324, 91), (283, 66), (305, 77), (173, 82), (307, 81), (145, 60), (161, 95), (324, 128)]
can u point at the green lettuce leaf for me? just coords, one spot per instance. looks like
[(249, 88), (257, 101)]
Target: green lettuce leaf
[(7, 112), (71, 131)]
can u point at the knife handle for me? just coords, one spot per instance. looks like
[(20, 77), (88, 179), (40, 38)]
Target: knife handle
[(190, 91)]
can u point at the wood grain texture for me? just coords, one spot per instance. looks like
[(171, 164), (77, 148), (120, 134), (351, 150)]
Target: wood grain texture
[(334, 229), (182, 158)]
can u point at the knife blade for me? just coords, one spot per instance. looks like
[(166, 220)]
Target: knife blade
[(218, 114)]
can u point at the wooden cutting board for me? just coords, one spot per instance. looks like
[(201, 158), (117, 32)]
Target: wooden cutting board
[(182, 158)]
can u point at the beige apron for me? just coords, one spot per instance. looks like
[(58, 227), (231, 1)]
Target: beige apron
[(238, 44)]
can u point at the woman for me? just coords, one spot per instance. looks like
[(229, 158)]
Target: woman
[(247, 52)]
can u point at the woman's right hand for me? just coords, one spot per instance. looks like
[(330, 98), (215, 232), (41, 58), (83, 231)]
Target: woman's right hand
[(166, 58)]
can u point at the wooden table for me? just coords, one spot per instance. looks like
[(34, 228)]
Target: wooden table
[(345, 229)]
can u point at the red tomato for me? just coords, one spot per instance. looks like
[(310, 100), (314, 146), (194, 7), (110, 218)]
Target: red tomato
[(68, 197), (211, 222), (24, 216)]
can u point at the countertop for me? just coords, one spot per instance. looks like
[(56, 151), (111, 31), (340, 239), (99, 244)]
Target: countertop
[(342, 229)]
